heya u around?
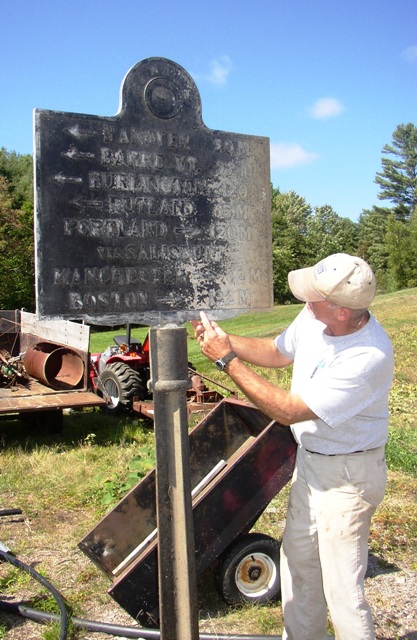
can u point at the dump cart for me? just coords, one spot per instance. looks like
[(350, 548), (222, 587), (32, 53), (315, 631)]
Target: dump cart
[(239, 460), (44, 368)]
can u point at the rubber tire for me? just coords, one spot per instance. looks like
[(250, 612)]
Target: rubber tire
[(253, 554), (122, 384)]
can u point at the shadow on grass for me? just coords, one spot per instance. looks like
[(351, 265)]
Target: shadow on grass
[(378, 566), (77, 428)]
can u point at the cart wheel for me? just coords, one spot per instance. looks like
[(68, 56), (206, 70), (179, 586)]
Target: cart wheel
[(122, 384), (249, 570)]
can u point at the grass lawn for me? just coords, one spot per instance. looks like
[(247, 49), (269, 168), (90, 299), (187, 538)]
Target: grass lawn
[(64, 484)]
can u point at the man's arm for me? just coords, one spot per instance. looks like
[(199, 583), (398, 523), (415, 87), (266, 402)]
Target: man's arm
[(259, 351), (284, 407)]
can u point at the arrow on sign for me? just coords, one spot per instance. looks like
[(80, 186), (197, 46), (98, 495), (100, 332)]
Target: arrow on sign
[(190, 232), (81, 203), (75, 154), (62, 180), (79, 133), (170, 299)]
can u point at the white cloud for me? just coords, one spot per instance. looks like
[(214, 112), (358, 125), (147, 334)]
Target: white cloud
[(326, 108), (288, 154), (410, 54), (220, 69)]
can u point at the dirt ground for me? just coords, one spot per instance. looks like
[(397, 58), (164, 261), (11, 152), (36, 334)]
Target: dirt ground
[(48, 542)]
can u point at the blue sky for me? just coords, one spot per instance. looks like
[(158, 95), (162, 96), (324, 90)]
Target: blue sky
[(328, 81)]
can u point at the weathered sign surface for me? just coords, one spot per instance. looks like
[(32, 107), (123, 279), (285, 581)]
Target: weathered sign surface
[(149, 216)]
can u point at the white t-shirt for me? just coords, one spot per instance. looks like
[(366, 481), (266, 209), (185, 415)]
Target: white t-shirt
[(345, 380)]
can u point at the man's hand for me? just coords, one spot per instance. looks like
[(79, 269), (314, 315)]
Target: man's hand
[(214, 342)]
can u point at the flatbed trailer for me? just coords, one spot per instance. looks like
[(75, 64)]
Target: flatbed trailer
[(239, 460), (59, 368)]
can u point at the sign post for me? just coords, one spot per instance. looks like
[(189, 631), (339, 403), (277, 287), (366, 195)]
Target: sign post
[(148, 217), (177, 573)]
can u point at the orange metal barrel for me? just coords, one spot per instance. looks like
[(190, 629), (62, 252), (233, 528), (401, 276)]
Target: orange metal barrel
[(54, 366)]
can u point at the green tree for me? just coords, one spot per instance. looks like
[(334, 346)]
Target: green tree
[(413, 252), (372, 247), (398, 178), (16, 231), (290, 214), (18, 171), (402, 260), (329, 233)]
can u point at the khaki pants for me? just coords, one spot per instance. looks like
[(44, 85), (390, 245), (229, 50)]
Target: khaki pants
[(324, 551)]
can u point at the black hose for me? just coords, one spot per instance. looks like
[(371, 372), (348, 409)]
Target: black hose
[(89, 625), (10, 512), (115, 629), (57, 596)]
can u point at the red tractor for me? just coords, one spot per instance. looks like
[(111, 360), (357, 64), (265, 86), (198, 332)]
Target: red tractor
[(121, 372)]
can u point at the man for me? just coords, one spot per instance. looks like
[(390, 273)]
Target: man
[(338, 412)]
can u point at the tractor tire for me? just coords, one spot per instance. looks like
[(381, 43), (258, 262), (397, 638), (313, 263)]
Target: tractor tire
[(248, 570), (121, 384)]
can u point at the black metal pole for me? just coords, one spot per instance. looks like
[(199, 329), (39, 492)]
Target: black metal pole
[(178, 605), (128, 334)]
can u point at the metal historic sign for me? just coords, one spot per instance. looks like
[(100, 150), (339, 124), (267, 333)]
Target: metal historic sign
[(149, 216)]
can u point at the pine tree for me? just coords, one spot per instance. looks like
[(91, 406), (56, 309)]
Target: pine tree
[(398, 178)]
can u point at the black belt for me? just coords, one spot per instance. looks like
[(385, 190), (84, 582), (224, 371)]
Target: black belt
[(341, 454)]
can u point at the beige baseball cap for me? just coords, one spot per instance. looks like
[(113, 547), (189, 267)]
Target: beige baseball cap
[(342, 279)]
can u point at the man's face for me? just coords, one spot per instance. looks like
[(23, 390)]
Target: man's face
[(323, 311)]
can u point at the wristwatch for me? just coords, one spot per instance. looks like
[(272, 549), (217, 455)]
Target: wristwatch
[(222, 363)]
